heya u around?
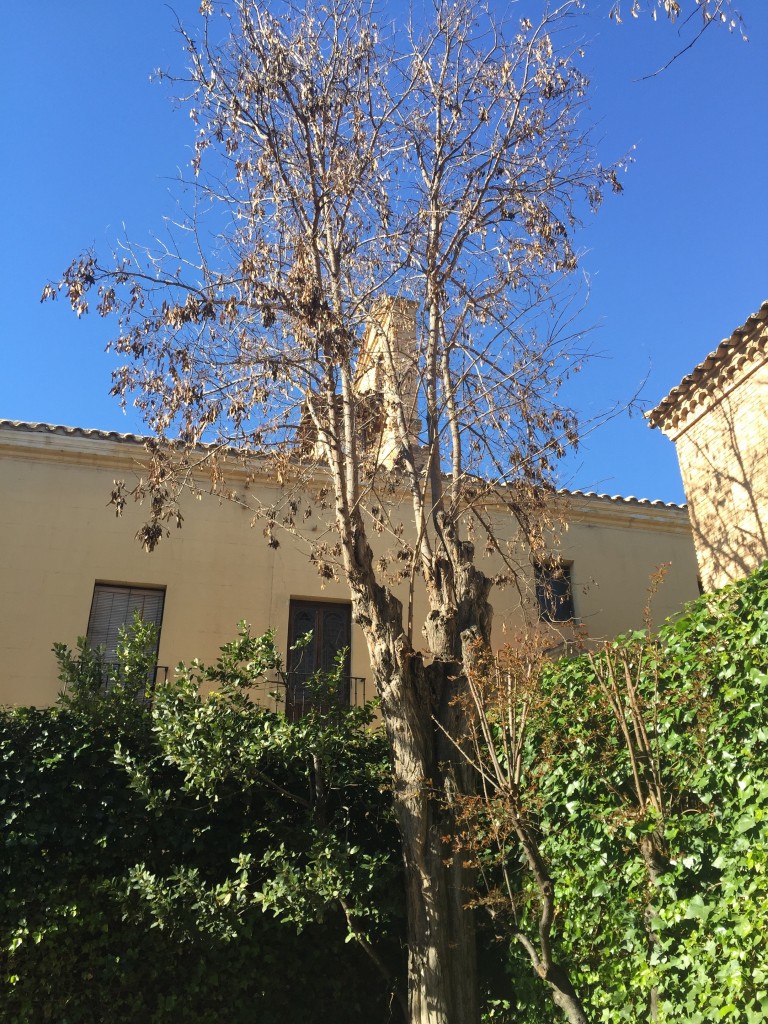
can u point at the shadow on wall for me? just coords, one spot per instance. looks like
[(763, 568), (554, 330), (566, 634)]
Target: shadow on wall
[(726, 480), (718, 419)]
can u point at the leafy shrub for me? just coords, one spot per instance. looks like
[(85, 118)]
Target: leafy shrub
[(204, 859), (659, 848)]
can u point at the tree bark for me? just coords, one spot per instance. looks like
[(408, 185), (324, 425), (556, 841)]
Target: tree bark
[(442, 969), (419, 708), (656, 864), (564, 994)]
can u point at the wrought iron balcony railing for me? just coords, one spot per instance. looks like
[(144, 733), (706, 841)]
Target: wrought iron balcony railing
[(114, 673), (297, 693), (294, 694)]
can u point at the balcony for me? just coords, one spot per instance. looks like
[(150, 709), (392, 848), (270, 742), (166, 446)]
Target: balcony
[(298, 693), (295, 694), (113, 673)]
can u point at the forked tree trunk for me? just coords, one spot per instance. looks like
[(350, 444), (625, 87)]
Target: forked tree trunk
[(564, 995), (556, 976), (420, 713)]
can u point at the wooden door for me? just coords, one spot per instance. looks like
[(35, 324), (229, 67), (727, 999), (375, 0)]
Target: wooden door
[(329, 624)]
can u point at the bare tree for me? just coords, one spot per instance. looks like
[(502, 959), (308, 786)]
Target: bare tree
[(499, 823), (706, 12), (693, 18), (365, 296)]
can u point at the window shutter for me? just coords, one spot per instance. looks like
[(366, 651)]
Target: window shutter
[(330, 623), (113, 607)]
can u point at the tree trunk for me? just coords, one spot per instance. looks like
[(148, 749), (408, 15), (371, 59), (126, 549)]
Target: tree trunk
[(656, 864), (424, 721), (417, 705), (564, 996), (442, 968), (557, 978)]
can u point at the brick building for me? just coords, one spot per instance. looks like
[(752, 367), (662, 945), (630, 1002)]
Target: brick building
[(717, 417)]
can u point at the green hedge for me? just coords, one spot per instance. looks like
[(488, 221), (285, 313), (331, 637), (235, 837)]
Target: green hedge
[(169, 866), (693, 933)]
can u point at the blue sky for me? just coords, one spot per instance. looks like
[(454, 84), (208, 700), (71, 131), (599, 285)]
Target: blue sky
[(674, 264)]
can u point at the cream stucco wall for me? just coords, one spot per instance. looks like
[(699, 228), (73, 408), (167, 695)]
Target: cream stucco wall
[(716, 417), (60, 537), (613, 548), (722, 447)]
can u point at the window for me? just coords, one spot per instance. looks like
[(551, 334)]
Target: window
[(553, 591), (330, 624), (113, 607)]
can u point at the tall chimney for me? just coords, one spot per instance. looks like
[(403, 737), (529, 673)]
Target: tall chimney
[(388, 370)]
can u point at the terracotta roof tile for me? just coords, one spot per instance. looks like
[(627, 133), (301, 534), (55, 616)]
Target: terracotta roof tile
[(620, 499), (54, 428), (714, 371), (113, 435)]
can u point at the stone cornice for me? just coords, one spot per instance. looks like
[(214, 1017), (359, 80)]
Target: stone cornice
[(116, 452), (106, 448)]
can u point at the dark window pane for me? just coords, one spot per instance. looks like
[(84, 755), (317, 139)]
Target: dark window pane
[(303, 621), (553, 591), (331, 626), (335, 634)]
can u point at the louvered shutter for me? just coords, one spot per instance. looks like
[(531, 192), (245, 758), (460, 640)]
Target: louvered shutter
[(114, 607)]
